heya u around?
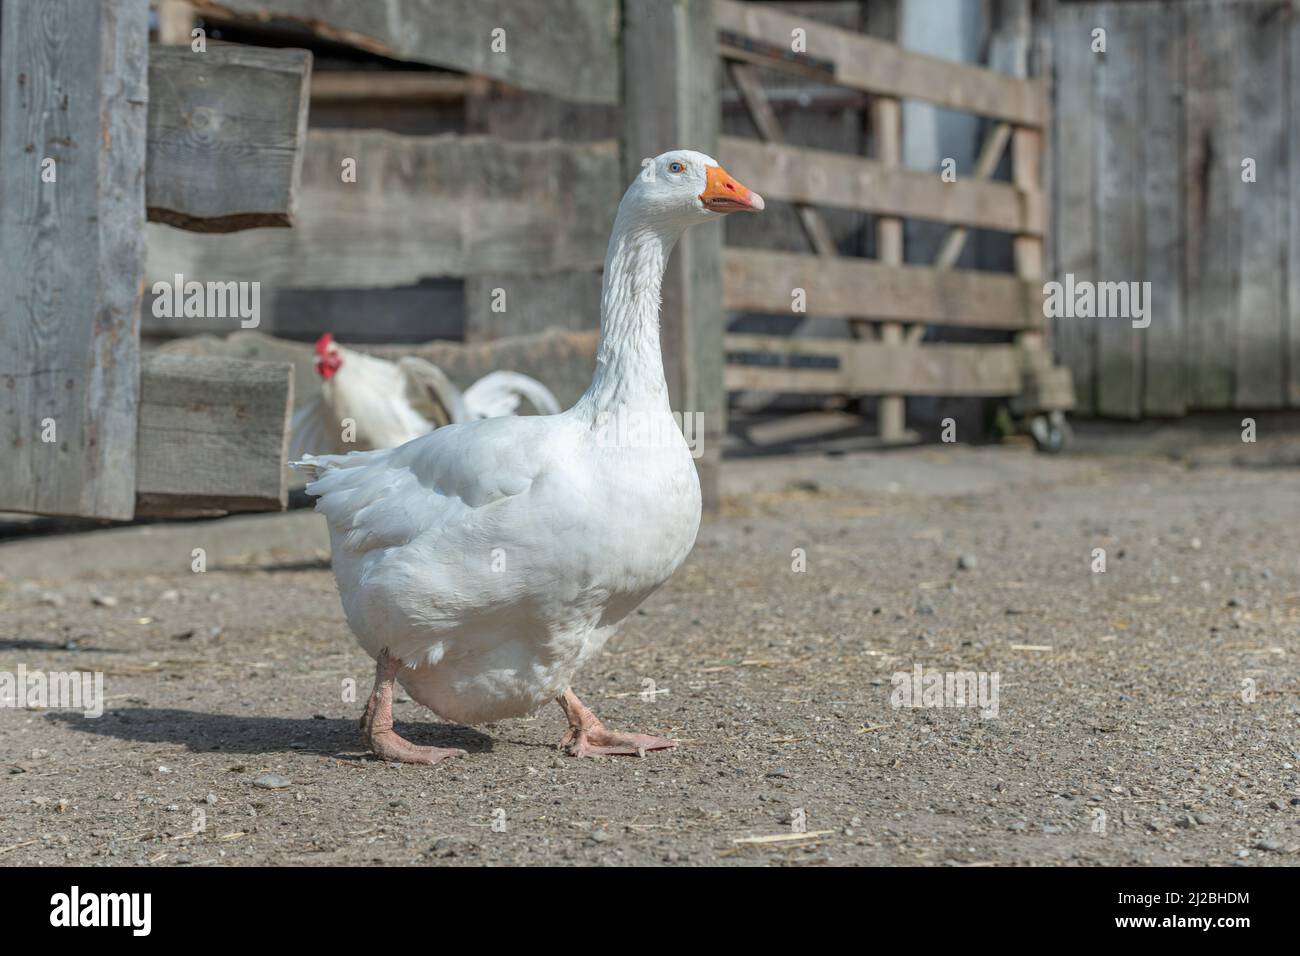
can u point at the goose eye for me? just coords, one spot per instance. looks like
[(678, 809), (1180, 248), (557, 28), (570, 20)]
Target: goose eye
[(676, 167)]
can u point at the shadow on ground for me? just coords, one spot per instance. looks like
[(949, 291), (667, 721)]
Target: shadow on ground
[(204, 732)]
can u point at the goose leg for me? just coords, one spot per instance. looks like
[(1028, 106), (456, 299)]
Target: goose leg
[(377, 722), (587, 736)]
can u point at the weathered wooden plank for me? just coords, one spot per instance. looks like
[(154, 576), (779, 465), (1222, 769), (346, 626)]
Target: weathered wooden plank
[(497, 307), (1164, 378), (760, 281), (670, 84), (565, 47), (1074, 225), (1119, 198), (866, 63), (823, 177), (887, 132), (1293, 216), (227, 128), (73, 100), (346, 86), (213, 435), (1213, 202), (871, 368), (434, 309), (562, 361), (420, 207), (1259, 370)]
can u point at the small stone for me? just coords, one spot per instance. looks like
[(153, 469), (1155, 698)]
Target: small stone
[(210, 799), (924, 608), (444, 847), (1235, 602), (1017, 826), (272, 781), (967, 562), (1048, 828), (777, 772), (104, 600), (599, 836), (1205, 819), (52, 599), (1271, 846), (1275, 805)]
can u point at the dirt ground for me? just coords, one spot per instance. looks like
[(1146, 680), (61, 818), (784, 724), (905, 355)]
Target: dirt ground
[(1146, 715)]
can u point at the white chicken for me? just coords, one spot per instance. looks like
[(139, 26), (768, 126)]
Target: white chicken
[(367, 402), (483, 564)]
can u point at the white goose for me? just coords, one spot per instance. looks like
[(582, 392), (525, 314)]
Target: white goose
[(483, 564)]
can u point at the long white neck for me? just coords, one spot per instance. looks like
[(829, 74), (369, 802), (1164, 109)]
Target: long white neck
[(629, 366)]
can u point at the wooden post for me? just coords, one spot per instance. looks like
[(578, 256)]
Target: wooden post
[(175, 22), (670, 99), (1026, 172), (886, 123), (73, 100)]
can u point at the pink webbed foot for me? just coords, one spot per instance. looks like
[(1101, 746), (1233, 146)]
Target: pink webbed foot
[(377, 722), (588, 737)]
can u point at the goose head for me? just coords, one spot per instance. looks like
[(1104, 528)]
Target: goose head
[(684, 187)]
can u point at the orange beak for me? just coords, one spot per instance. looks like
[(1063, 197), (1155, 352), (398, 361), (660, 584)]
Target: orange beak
[(724, 194)]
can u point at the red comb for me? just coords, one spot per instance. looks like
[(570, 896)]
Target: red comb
[(324, 342)]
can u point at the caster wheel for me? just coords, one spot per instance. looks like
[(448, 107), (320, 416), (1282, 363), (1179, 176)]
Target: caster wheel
[(1051, 432)]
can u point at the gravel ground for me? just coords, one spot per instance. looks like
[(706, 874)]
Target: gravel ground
[(1126, 731)]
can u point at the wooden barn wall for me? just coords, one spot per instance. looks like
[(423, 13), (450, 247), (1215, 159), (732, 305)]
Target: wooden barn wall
[(1149, 142)]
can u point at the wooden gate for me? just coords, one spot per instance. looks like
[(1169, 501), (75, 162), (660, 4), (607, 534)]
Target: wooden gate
[(889, 304)]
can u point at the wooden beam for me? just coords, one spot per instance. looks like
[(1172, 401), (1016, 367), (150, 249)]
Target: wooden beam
[(73, 96), (421, 206), (213, 435), (175, 21), (562, 361), (757, 280), (1120, 201), (866, 63), (345, 86), (227, 129), (871, 368), (887, 128), (567, 48), (670, 58), (1077, 176), (828, 178)]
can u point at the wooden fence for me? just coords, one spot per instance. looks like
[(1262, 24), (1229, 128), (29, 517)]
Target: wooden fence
[(1152, 135), (88, 425), (899, 300), (222, 146)]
